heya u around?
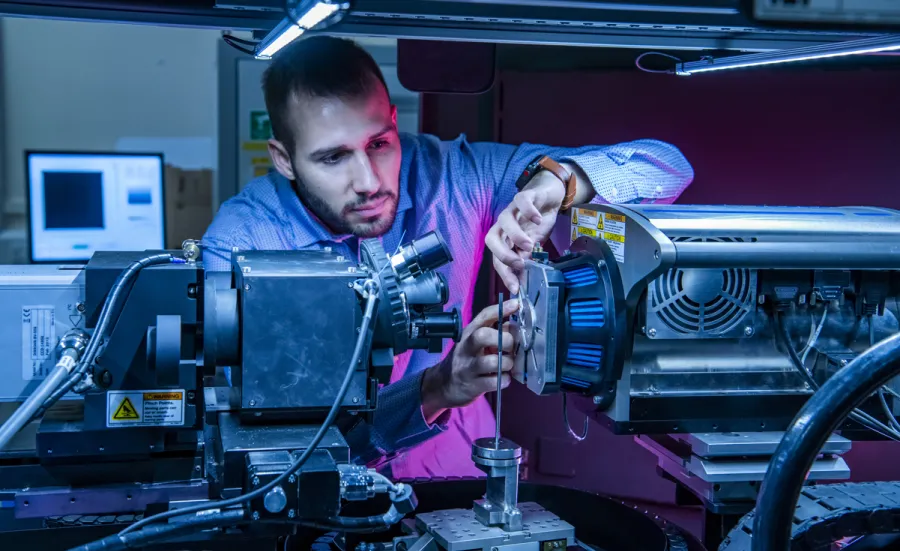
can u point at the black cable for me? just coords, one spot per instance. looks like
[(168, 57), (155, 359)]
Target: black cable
[(637, 63), (119, 292), (231, 41), (364, 335), (860, 417), (240, 40), (811, 428), (156, 534)]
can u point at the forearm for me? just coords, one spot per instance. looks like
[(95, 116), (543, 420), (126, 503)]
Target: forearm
[(399, 423), (635, 171)]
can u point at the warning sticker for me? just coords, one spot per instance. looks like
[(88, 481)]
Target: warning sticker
[(149, 408), (614, 234), (38, 341), (125, 412)]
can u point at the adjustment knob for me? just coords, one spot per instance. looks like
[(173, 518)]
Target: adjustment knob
[(275, 500)]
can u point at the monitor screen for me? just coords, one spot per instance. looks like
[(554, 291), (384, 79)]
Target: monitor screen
[(80, 203)]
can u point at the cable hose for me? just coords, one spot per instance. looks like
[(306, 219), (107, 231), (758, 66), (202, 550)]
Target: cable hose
[(155, 534), (103, 322), (819, 417), (364, 334)]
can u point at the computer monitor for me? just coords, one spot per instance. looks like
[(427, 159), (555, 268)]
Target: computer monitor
[(79, 203)]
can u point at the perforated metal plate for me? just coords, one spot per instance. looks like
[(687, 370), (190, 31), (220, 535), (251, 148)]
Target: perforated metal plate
[(459, 530)]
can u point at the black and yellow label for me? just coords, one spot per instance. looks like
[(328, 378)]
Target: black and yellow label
[(126, 412)]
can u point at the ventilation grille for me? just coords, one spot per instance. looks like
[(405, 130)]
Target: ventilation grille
[(571, 381), (703, 302), (587, 313), (581, 276), (587, 356)]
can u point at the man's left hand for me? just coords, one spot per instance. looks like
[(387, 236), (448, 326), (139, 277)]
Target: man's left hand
[(527, 220)]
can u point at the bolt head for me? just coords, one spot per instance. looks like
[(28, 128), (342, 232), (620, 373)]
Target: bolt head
[(255, 481), (651, 332), (748, 330), (255, 515), (292, 479), (292, 513), (252, 403), (597, 400)]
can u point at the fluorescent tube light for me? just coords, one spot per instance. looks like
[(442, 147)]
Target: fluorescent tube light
[(821, 51), (287, 31)]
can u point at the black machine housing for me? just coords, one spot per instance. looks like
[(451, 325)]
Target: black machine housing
[(227, 377)]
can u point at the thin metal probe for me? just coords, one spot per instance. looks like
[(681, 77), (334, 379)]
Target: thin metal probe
[(499, 371)]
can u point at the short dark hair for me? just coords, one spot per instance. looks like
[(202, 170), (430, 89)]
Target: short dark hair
[(319, 66)]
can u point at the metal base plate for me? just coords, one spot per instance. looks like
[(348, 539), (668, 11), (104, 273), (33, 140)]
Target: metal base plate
[(459, 530)]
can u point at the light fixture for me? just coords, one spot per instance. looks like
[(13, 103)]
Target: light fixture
[(304, 16), (821, 51)]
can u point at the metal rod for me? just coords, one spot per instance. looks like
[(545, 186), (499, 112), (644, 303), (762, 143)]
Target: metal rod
[(499, 370), (842, 255)]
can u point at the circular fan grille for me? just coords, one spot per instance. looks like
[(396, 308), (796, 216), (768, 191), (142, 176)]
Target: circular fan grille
[(697, 301)]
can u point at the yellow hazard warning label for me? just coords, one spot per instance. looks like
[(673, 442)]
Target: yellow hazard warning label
[(149, 408), (125, 411), (604, 225)]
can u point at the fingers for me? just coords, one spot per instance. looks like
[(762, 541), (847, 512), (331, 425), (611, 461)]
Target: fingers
[(526, 202), (490, 315), (489, 383), (487, 365), (511, 228), (485, 339), (507, 276), (501, 251)]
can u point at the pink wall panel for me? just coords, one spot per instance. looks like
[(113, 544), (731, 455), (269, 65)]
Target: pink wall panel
[(803, 137)]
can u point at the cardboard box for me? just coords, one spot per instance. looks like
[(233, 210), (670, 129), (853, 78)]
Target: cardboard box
[(189, 209)]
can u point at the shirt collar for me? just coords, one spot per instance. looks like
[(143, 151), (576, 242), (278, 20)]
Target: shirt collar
[(307, 229)]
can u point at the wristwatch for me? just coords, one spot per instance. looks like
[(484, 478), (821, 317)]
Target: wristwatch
[(543, 162)]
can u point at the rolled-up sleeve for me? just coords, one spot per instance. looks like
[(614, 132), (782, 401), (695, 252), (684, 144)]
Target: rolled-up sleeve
[(397, 425), (631, 172), (642, 171)]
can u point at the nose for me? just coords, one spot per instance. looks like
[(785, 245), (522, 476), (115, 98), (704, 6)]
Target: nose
[(364, 180)]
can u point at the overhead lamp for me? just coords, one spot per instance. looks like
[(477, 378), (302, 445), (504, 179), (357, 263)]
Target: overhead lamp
[(821, 51), (305, 15)]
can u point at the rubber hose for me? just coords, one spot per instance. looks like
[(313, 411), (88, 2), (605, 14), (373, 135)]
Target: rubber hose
[(817, 420), (155, 534)]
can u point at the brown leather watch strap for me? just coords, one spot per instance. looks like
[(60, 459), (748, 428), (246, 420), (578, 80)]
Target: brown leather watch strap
[(568, 179)]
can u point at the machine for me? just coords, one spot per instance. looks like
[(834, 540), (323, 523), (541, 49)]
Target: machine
[(702, 330), (195, 393)]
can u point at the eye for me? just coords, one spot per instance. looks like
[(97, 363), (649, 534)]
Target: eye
[(378, 144), (333, 159)]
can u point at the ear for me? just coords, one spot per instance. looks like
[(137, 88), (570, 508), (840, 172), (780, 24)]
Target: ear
[(394, 114), (281, 159)]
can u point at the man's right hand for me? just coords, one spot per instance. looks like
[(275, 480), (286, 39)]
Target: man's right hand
[(470, 370)]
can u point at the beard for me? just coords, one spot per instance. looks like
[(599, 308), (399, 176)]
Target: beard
[(339, 221)]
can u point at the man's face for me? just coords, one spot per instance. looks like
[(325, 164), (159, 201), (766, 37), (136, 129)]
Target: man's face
[(346, 160)]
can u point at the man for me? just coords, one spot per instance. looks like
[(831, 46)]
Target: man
[(344, 174)]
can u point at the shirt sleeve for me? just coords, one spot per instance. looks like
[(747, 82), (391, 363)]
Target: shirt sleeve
[(397, 425), (637, 171)]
